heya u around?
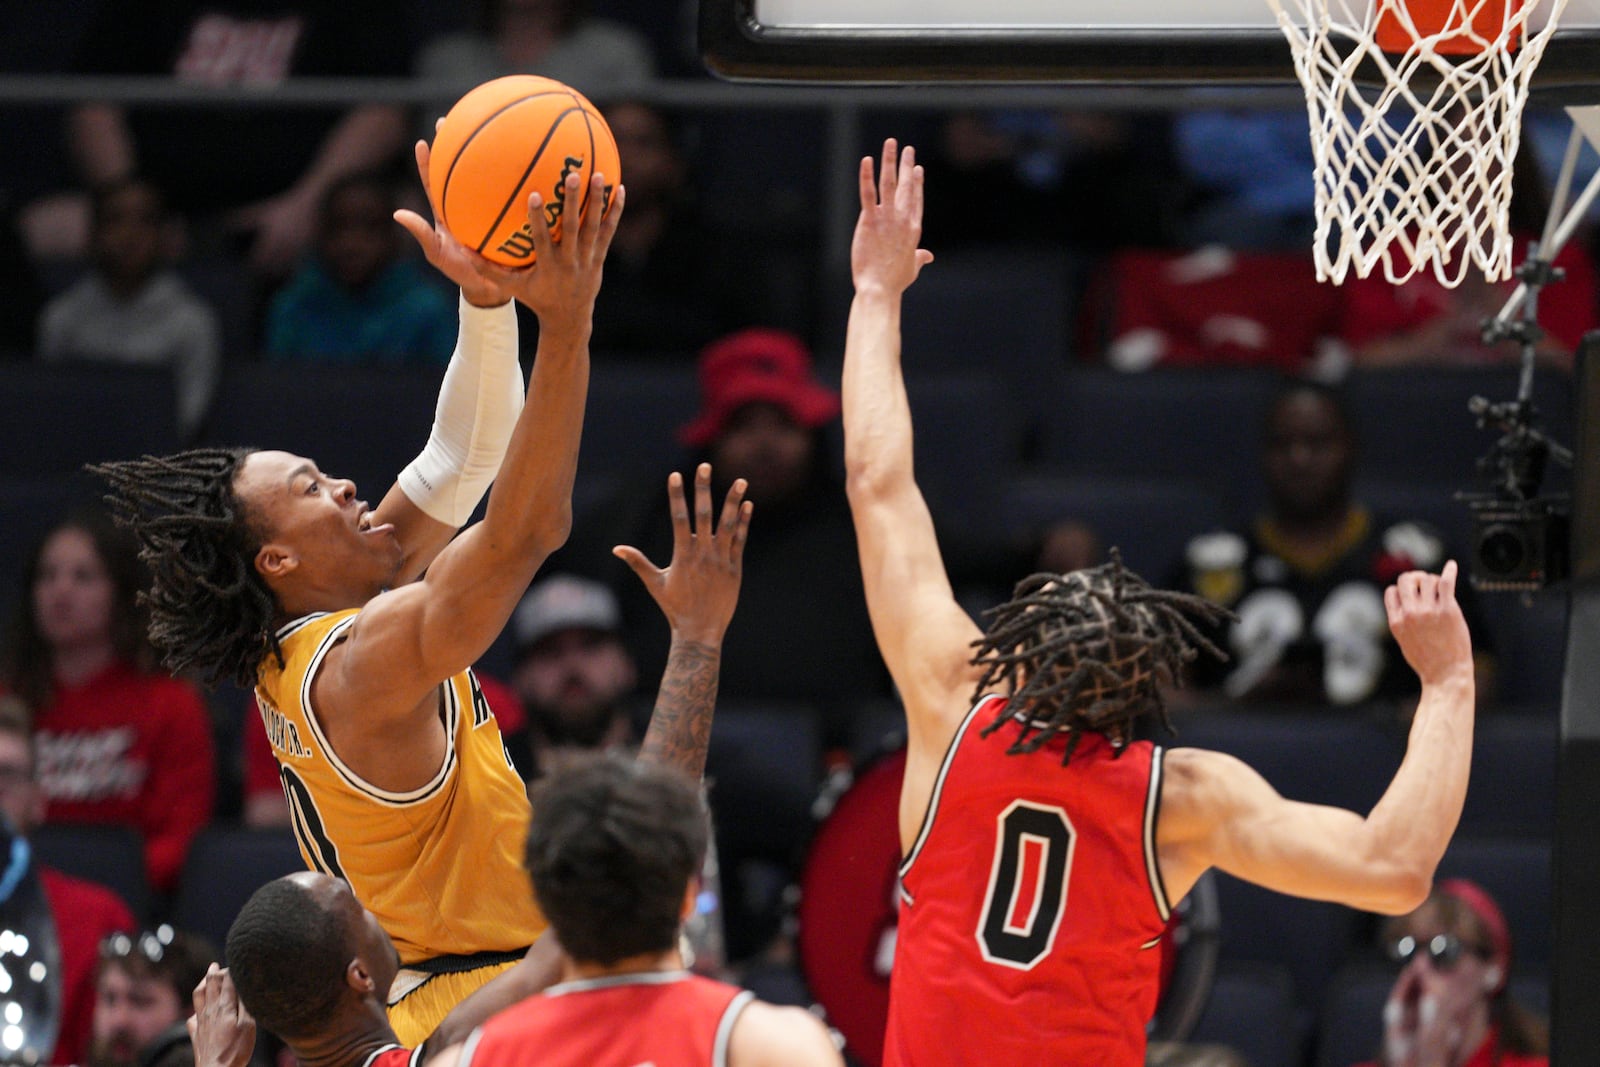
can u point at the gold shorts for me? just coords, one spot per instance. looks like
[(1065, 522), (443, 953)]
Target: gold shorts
[(417, 1011)]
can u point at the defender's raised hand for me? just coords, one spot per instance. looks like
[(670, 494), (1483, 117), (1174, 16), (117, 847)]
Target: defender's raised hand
[(697, 592), (699, 588), (884, 252), (1428, 624)]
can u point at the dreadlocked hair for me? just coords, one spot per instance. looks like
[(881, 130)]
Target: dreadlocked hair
[(210, 611), (1088, 652)]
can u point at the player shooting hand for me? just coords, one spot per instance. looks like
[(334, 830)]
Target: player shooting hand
[(561, 285), (449, 256), (221, 1030), (699, 588), (1428, 624), (884, 252)]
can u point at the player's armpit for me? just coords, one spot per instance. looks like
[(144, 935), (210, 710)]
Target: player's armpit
[(420, 535), (765, 1035), (1216, 811)]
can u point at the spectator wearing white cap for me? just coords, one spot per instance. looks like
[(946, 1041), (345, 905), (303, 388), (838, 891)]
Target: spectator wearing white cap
[(573, 673)]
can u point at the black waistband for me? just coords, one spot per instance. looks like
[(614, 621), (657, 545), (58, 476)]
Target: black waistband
[(437, 965)]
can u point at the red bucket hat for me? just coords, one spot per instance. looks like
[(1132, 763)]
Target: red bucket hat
[(753, 366)]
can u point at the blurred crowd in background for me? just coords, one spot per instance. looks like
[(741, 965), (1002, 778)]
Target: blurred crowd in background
[(1122, 343)]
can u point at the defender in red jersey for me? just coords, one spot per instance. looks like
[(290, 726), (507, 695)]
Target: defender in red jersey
[(614, 854), (1044, 847)]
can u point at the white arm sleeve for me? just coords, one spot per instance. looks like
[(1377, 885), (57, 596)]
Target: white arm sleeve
[(479, 401)]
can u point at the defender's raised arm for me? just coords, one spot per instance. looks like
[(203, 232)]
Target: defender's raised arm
[(923, 634), (1216, 811)]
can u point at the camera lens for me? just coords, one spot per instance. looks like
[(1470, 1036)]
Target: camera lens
[(1502, 549)]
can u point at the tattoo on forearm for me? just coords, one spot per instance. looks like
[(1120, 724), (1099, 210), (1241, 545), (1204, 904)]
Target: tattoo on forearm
[(680, 725)]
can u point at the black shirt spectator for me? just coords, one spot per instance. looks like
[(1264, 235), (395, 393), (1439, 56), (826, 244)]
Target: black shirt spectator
[(1306, 578)]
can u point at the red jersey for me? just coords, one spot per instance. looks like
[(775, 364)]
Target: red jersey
[(393, 1056), (663, 1018), (132, 748), (84, 913), (1031, 907)]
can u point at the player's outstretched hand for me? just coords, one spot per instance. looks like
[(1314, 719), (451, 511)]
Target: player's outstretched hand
[(1428, 624), (221, 1030), (449, 256), (699, 588), (884, 252)]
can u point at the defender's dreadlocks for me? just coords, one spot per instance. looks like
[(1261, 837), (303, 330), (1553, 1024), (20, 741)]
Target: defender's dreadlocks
[(1087, 651), (209, 609)]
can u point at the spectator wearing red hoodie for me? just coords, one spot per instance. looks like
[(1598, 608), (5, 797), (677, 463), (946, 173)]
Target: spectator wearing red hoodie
[(119, 740)]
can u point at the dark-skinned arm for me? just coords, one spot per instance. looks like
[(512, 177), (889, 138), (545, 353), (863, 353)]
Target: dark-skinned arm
[(221, 1032), (697, 591), (534, 973)]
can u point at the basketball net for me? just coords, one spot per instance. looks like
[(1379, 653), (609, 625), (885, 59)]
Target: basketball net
[(1414, 173)]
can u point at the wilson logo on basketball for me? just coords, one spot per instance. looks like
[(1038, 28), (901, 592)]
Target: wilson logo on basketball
[(520, 243), (558, 195)]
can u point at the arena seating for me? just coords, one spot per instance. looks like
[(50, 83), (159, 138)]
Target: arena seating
[(1252, 1011), (54, 418), (1199, 425), (362, 423), (110, 855), (1517, 872), (1414, 423), (225, 865), (1512, 790), (1343, 758), (636, 405), (1350, 1026), (763, 769), (1310, 939), (968, 433), (1149, 520), (1005, 311), (1530, 638)]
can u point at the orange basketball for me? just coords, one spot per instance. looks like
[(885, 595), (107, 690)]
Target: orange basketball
[(505, 140)]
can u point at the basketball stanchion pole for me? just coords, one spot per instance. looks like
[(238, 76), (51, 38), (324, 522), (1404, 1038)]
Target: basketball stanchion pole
[(1575, 961), (1557, 234)]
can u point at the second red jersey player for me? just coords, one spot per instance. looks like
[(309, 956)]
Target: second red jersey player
[(1018, 855)]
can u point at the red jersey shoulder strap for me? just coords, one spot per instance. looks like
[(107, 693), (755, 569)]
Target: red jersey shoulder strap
[(989, 701)]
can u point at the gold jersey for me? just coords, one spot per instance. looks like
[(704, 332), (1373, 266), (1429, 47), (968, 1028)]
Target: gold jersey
[(441, 865)]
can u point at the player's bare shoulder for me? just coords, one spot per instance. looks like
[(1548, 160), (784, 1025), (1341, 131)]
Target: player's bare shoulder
[(766, 1035), (1200, 791), (1199, 787)]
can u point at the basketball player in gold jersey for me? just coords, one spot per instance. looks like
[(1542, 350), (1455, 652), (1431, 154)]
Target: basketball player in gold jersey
[(357, 626)]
